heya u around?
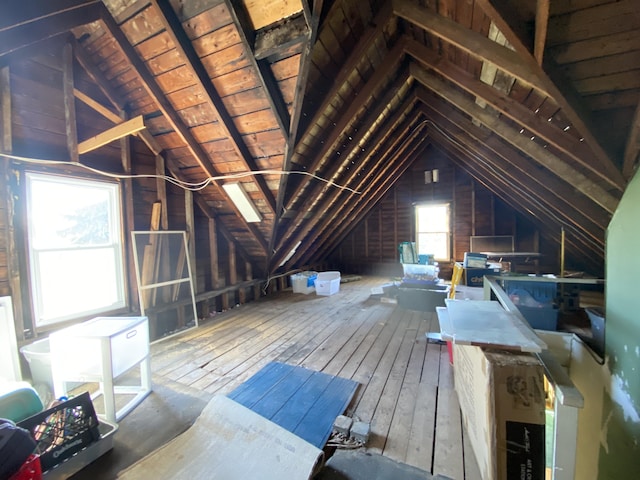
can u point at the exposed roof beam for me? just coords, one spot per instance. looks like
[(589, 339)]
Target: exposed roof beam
[(542, 22), (365, 43), (155, 92), (632, 149), (261, 67), (43, 24), (334, 233), (18, 13), (471, 42), (512, 170), (320, 189), (391, 142), (569, 174), (176, 32), (374, 84), (525, 173), (559, 89), (273, 41), (71, 125), (298, 99), (121, 130), (512, 109), (514, 197)]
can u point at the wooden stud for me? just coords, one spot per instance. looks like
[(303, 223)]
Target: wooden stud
[(69, 103), (632, 148), (129, 215)]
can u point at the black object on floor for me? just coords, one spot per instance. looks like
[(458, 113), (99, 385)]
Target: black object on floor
[(360, 465)]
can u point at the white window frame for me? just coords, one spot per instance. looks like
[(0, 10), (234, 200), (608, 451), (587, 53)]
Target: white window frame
[(446, 234), (93, 282)]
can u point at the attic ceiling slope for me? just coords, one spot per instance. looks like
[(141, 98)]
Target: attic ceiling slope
[(336, 89)]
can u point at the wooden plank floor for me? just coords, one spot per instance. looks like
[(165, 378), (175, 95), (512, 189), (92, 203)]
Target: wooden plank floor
[(406, 385)]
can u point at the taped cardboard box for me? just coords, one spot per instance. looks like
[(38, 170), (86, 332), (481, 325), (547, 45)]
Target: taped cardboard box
[(502, 401)]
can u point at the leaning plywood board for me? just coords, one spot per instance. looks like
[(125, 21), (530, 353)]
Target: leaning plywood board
[(229, 441), (486, 323)]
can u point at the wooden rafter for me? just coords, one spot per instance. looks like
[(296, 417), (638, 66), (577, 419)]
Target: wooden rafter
[(632, 149), (583, 184), (155, 92), (26, 26), (512, 161), (320, 189), (542, 23), (301, 82), (516, 171), (391, 62), (470, 42), (559, 89), (390, 141), (514, 197), (176, 32), (510, 108), (261, 67), (380, 184)]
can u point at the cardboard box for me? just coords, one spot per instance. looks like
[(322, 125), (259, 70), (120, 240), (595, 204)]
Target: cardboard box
[(502, 401), (474, 276)]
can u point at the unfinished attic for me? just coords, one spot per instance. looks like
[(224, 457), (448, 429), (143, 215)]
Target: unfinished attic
[(176, 173)]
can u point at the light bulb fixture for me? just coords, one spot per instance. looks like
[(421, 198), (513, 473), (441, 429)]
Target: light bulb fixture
[(428, 178), (242, 202), (435, 174)]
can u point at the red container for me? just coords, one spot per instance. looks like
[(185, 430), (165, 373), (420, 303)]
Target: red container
[(30, 470), (450, 350)]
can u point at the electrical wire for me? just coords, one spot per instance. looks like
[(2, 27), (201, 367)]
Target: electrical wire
[(179, 183)]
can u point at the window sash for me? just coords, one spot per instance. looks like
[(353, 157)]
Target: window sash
[(433, 238), (76, 262)]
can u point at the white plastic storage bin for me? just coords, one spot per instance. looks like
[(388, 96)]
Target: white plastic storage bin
[(328, 283), (303, 282)]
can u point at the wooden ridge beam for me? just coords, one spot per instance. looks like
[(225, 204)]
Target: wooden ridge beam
[(155, 92), (128, 127), (515, 111), (261, 67), (320, 189), (175, 30), (569, 174), (513, 160), (45, 23), (560, 90)]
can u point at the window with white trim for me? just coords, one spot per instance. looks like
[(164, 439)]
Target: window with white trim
[(433, 230), (75, 247)]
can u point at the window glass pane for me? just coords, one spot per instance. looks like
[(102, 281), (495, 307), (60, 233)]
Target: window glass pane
[(76, 282), (75, 247), (433, 230), (433, 243)]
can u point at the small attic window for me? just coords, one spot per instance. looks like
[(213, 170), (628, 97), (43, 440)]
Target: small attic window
[(433, 230), (75, 247)]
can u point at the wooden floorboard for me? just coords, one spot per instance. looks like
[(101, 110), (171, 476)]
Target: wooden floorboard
[(406, 387)]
